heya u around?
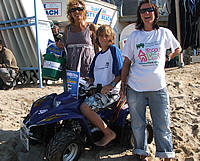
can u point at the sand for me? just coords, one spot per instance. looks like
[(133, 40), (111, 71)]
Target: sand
[(184, 89)]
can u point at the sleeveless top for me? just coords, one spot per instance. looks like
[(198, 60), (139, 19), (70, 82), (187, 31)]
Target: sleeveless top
[(80, 51)]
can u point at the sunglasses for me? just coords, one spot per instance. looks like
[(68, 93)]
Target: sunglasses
[(146, 10), (77, 9)]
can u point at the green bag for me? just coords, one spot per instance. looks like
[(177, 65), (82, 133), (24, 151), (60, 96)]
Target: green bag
[(52, 67)]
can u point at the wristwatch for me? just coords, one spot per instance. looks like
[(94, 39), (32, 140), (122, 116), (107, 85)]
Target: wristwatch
[(113, 84)]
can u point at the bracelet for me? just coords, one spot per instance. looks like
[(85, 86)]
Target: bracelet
[(113, 84), (168, 57)]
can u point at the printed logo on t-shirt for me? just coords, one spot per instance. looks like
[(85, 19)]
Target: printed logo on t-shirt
[(149, 53), (141, 45), (107, 65)]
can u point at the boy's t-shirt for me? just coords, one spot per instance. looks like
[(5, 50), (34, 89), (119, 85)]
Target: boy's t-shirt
[(106, 66)]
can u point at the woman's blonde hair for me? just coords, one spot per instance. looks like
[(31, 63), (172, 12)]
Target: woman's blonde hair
[(105, 29), (70, 5)]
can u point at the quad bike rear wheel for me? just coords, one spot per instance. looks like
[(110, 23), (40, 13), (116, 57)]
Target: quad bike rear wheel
[(64, 146)]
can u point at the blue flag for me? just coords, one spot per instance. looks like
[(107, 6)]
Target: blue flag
[(96, 19)]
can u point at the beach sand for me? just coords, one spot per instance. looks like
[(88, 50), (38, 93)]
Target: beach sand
[(184, 89)]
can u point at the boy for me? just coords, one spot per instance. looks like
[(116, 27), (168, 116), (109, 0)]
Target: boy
[(105, 69)]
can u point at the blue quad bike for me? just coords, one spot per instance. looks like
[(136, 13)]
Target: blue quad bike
[(56, 122)]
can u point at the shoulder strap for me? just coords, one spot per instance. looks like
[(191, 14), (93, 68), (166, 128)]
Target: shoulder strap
[(65, 35), (69, 28)]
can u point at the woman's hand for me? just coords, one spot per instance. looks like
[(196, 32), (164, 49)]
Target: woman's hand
[(124, 76), (122, 91), (59, 44)]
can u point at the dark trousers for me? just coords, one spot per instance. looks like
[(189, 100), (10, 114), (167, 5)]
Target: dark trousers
[(7, 76)]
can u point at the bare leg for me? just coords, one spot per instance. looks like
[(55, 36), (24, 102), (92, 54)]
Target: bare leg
[(109, 135)]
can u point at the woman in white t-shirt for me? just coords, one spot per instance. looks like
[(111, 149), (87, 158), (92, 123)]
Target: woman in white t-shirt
[(143, 80)]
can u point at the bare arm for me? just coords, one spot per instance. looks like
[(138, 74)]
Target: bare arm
[(175, 53), (124, 76), (109, 87), (93, 29), (65, 34)]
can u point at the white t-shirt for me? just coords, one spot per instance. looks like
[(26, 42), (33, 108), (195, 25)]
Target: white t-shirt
[(147, 50), (106, 66)]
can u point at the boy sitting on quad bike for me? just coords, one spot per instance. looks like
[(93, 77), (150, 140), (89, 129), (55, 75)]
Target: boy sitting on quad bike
[(105, 70)]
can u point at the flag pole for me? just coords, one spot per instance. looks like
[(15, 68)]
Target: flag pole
[(181, 63)]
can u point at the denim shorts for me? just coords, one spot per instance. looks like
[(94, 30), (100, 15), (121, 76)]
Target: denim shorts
[(158, 102)]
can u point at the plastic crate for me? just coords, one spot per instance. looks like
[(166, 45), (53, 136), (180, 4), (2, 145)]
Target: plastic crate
[(52, 67)]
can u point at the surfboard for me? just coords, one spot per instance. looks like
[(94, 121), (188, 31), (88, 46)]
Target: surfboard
[(4, 35), (16, 34), (11, 38), (44, 28), (28, 52), (22, 41), (29, 33), (125, 33)]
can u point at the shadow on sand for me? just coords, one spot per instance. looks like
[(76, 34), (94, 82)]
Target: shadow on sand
[(12, 149)]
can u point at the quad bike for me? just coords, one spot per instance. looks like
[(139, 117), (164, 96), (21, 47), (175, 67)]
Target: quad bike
[(56, 122)]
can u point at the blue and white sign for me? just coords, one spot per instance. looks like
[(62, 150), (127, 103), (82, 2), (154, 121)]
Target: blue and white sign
[(53, 9), (56, 11), (72, 82), (53, 49), (106, 16)]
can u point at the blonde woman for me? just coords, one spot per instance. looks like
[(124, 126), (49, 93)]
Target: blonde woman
[(79, 38)]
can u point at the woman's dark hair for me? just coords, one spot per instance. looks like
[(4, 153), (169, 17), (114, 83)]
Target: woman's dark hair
[(139, 22)]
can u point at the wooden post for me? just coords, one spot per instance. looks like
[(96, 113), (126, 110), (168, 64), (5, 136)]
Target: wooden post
[(181, 63)]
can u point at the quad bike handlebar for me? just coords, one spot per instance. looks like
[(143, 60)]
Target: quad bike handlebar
[(94, 98)]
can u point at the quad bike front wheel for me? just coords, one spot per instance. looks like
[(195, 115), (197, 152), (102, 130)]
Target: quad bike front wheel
[(64, 146)]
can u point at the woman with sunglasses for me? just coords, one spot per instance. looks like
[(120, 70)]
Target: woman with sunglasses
[(143, 81), (79, 38)]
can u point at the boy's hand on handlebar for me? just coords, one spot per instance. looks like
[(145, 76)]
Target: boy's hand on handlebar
[(106, 89)]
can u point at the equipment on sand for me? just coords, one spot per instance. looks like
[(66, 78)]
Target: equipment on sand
[(57, 122)]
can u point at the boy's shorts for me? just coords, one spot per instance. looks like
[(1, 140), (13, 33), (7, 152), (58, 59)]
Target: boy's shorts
[(99, 100)]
